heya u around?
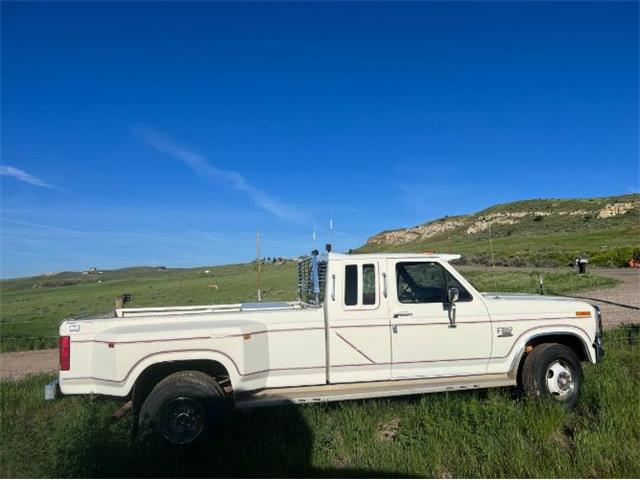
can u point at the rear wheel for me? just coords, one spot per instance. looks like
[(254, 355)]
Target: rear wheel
[(182, 408), (553, 370)]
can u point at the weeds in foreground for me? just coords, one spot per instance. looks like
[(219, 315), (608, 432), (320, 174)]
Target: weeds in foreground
[(487, 433)]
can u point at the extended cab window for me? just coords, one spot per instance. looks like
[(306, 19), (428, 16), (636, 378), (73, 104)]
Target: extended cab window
[(368, 284), (360, 285), (425, 282), (350, 284)]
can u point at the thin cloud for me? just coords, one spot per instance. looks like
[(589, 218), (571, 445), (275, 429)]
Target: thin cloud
[(42, 226), (199, 164), (13, 172)]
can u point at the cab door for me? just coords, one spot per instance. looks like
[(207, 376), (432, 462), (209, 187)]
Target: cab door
[(358, 342), (424, 341)]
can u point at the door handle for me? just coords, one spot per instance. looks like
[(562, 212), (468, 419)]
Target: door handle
[(402, 314), (384, 284), (333, 288)]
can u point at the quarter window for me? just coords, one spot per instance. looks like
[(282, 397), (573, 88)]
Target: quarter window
[(360, 285), (350, 284), (368, 284)]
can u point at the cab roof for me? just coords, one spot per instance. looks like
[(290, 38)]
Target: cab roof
[(447, 257)]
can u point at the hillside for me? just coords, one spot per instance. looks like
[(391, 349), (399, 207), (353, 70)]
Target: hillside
[(541, 232)]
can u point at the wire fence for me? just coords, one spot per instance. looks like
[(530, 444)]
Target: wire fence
[(624, 336)]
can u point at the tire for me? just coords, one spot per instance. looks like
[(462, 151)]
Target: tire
[(182, 408), (553, 370)]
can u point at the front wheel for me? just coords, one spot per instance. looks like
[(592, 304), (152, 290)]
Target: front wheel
[(553, 370)]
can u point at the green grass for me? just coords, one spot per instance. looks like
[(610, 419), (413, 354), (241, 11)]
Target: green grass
[(555, 283), (490, 433), (32, 308)]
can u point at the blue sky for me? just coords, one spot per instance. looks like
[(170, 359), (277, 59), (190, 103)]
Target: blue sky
[(169, 133)]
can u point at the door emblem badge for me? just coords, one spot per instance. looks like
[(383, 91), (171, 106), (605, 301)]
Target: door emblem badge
[(505, 332)]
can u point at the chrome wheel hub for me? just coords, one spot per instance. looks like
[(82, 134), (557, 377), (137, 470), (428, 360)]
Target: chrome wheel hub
[(560, 379)]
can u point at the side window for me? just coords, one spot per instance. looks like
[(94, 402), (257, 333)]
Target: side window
[(368, 284), (426, 282), (350, 285), (421, 282)]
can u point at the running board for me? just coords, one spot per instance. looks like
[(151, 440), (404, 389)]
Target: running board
[(357, 391)]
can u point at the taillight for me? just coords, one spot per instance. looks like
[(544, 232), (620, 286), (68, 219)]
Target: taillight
[(65, 353)]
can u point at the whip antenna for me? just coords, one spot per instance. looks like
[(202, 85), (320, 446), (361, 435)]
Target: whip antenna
[(331, 225), (258, 264), (493, 260), (313, 234)]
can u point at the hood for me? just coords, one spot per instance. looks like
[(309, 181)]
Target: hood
[(526, 296), (535, 306)]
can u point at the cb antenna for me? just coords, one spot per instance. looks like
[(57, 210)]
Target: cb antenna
[(330, 225), (258, 264), (313, 234), (493, 260)]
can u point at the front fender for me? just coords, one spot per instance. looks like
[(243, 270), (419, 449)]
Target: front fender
[(509, 361)]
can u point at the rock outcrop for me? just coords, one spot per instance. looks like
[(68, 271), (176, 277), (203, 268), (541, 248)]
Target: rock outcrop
[(615, 209), (427, 230)]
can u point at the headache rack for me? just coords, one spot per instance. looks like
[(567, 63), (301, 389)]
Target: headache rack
[(312, 278)]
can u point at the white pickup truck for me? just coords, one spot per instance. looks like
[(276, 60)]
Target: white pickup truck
[(365, 326)]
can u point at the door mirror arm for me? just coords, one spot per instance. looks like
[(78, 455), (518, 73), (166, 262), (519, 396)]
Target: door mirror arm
[(452, 295), (452, 315)]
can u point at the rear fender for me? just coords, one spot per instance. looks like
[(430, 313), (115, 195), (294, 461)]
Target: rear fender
[(205, 354)]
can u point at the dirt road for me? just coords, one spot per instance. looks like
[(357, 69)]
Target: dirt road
[(16, 365), (620, 304)]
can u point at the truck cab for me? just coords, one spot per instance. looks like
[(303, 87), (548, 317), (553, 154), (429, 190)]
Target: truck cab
[(364, 326)]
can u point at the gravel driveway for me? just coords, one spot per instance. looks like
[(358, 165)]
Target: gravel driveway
[(15, 365), (620, 304)]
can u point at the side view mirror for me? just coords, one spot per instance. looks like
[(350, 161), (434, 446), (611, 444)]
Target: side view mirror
[(453, 294)]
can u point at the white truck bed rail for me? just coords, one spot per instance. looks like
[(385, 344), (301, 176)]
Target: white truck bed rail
[(190, 310)]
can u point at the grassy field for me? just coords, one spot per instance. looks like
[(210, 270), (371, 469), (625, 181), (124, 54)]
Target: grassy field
[(32, 308), (491, 433)]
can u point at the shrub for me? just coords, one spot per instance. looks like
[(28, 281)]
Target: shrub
[(616, 257)]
